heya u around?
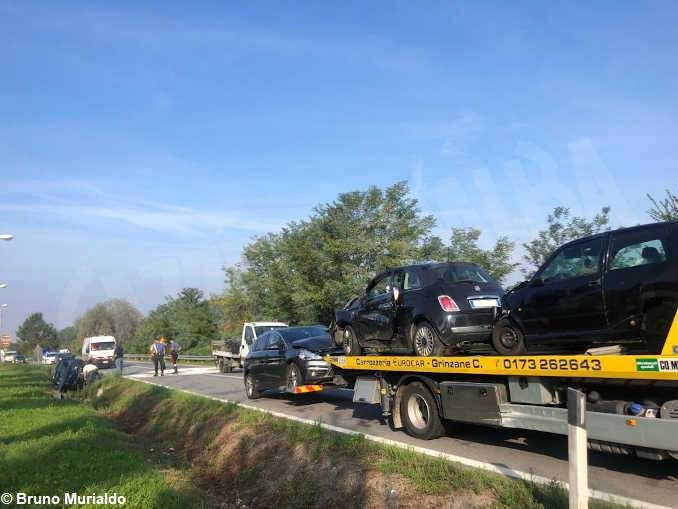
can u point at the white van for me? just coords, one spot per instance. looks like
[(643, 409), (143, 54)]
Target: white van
[(7, 355), (99, 350)]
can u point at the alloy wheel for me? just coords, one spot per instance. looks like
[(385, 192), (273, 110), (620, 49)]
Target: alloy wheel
[(292, 380), (509, 338), (424, 341), (348, 342)]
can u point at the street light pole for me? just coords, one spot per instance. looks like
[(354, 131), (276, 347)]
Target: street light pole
[(2, 311)]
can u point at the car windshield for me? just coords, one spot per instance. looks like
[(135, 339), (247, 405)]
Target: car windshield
[(260, 329), (105, 345), (460, 273), (295, 333)]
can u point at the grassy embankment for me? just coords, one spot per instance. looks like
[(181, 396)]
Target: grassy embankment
[(167, 449)]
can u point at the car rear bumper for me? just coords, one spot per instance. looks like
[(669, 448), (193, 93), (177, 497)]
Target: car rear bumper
[(467, 326)]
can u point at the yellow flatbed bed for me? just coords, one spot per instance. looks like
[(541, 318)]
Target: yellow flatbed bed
[(616, 366)]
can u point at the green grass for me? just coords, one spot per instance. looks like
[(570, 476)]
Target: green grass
[(103, 443), (50, 446)]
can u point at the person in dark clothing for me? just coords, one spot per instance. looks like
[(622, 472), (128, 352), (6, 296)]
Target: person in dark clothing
[(157, 351), (174, 353), (118, 354)]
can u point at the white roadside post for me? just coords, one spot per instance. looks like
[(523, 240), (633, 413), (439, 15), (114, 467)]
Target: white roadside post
[(2, 309), (577, 449)]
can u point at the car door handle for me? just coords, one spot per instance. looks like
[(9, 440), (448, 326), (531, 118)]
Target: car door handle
[(594, 283)]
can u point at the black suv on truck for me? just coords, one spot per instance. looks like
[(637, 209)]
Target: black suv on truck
[(614, 287), (422, 308)]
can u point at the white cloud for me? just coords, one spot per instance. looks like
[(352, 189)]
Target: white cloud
[(82, 202)]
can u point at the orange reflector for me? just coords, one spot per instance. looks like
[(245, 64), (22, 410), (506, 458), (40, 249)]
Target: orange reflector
[(631, 422), (301, 389)]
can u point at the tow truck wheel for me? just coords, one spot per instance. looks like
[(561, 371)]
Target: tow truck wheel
[(250, 389), (425, 341), (351, 345), (419, 412), (507, 339)]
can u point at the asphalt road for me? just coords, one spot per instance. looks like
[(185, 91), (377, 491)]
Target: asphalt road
[(541, 454)]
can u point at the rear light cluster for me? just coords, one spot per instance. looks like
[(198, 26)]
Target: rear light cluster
[(447, 303)]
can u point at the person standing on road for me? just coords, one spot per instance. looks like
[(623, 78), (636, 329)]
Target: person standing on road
[(118, 354), (175, 348), (158, 355)]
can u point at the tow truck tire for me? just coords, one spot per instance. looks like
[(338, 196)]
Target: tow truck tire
[(351, 345), (250, 389), (419, 412), (507, 339)]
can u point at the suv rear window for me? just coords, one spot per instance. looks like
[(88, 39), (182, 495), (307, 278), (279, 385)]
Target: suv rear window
[(460, 272)]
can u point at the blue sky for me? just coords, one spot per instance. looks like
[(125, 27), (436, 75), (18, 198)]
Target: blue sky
[(143, 144)]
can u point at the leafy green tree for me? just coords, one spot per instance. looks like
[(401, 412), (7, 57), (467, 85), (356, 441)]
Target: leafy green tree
[(36, 331), (125, 317), (666, 209), (304, 272), (562, 227), (96, 321), (115, 317), (497, 260), (66, 337), (188, 318)]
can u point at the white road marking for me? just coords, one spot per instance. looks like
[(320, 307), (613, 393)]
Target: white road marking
[(182, 372), (508, 472)]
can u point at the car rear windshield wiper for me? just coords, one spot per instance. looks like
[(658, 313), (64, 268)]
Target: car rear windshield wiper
[(470, 281)]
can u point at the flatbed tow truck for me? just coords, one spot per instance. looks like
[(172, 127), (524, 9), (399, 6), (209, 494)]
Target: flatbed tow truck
[(631, 400)]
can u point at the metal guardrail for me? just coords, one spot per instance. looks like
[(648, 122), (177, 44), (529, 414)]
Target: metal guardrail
[(145, 356)]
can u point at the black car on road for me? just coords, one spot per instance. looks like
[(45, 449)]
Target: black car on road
[(619, 286), (425, 309), (285, 358)]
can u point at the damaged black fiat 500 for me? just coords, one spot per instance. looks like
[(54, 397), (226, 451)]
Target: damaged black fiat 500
[(428, 309)]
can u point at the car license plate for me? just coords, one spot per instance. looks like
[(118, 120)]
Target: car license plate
[(483, 303)]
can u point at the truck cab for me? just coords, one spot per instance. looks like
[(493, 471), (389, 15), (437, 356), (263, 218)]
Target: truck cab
[(614, 287), (251, 331), (229, 354), (99, 350)]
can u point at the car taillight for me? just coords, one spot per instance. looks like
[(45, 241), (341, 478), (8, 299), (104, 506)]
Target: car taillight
[(447, 303)]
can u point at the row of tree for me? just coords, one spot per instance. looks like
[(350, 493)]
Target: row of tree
[(188, 318), (304, 272), (308, 269)]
